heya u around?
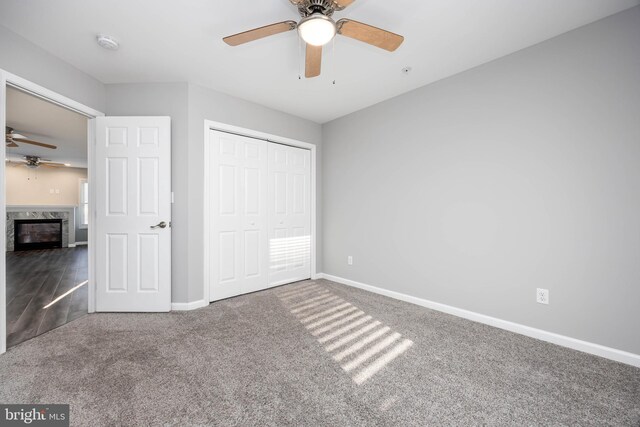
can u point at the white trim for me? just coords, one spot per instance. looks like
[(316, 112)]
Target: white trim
[(186, 306), (91, 232), (19, 208), (82, 243), (3, 215), (561, 340), (8, 79), (211, 125), (50, 96)]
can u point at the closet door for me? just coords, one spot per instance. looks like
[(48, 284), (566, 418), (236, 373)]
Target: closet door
[(289, 214), (238, 208)]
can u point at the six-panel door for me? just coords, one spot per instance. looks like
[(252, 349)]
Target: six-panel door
[(133, 213), (238, 178)]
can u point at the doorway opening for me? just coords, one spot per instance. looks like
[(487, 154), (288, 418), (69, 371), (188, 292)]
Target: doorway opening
[(47, 216)]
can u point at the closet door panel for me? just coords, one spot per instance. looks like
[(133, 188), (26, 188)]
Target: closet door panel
[(289, 217), (237, 248)]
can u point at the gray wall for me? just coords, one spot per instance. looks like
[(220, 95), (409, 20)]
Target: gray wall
[(518, 174), (211, 105), (188, 106), (22, 58)]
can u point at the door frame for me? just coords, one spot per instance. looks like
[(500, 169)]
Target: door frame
[(17, 82), (210, 125)]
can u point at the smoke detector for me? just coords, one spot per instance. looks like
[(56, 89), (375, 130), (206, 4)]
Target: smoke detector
[(107, 42)]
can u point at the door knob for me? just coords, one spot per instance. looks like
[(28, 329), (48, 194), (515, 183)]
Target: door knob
[(161, 224)]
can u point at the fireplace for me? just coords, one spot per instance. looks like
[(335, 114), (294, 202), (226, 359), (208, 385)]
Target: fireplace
[(37, 234)]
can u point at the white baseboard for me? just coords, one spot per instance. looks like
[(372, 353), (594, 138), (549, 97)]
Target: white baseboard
[(81, 243), (575, 344), (71, 245), (185, 306)]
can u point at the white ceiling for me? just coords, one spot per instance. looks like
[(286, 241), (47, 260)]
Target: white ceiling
[(170, 41), (45, 122)]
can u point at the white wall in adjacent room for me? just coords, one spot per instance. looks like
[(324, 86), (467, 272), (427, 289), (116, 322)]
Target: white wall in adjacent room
[(34, 187)]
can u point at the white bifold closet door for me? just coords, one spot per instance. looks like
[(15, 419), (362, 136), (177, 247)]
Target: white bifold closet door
[(289, 214), (239, 215), (259, 203)]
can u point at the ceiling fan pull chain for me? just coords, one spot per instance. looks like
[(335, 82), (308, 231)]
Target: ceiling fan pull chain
[(299, 59), (333, 59)]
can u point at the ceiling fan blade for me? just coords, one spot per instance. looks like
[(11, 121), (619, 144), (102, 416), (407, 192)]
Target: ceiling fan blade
[(41, 144), (313, 61), (369, 34), (52, 165), (258, 33), (341, 4), (12, 144)]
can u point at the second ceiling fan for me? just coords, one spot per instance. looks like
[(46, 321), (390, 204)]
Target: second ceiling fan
[(34, 162), (317, 28), (12, 138)]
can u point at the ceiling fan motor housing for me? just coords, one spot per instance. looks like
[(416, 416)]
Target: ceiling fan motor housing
[(309, 7), (32, 161)]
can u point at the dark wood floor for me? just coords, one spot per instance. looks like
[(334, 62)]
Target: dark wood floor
[(36, 278)]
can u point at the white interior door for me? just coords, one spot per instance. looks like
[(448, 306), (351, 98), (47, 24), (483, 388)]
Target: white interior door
[(238, 209), (289, 214), (133, 213)]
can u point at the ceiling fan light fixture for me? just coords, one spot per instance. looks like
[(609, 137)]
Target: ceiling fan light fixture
[(317, 29)]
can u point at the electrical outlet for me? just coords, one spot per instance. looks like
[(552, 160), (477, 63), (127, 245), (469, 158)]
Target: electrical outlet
[(350, 260), (542, 296)]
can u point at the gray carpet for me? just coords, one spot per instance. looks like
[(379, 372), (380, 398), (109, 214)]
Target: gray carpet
[(302, 355)]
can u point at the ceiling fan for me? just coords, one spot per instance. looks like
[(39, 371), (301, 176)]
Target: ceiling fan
[(317, 28), (12, 138), (34, 162)]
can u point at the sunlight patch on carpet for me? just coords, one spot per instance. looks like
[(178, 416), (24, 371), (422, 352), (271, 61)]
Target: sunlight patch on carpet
[(362, 345)]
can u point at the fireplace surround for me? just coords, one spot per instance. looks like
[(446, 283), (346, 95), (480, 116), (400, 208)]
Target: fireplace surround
[(65, 213)]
